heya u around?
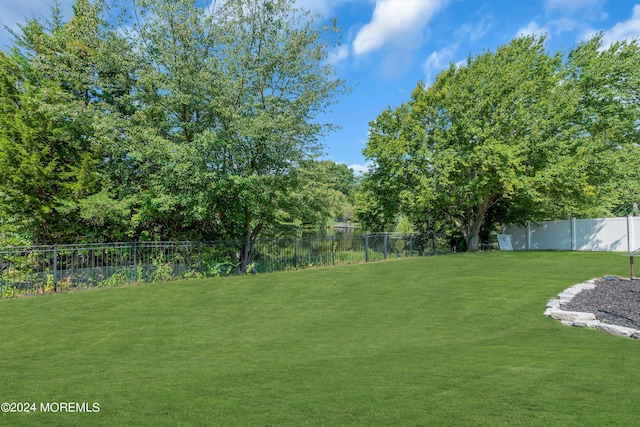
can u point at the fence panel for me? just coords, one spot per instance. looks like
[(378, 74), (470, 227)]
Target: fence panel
[(596, 234), (270, 255), (601, 234), (314, 252), (33, 270), (518, 233), (399, 246), (376, 250), (551, 235), (350, 249), (26, 270), (634, 241)]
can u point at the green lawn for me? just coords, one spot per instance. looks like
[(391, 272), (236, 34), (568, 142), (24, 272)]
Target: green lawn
[(446, 340)]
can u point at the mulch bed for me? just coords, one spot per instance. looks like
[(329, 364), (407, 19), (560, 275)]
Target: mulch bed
[(614, 301)]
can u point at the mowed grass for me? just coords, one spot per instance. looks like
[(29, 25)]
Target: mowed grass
[(446, 340)]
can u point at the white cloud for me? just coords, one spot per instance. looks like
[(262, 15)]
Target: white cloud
[(480, 30), (359, 169), (532, 29), (564, 25), (438, 61), (393, 20), (554, 27), (337, 55), (588, 34), (624, 30), (474, 32)]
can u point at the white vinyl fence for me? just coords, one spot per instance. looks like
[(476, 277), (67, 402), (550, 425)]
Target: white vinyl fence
[(599, 234)]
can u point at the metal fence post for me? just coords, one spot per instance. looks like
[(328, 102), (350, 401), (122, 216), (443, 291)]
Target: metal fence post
[(199, 259), (410, 244), (366, 248), (135, 261), (55, 268), (295, 252), (385, 245), (333, 259)]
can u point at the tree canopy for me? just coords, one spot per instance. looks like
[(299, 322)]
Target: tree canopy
[(513, 135), (180, 122)]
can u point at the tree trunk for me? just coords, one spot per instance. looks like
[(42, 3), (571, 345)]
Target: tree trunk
[(471, 230), (245, 254), (473, 241), (250, 236)]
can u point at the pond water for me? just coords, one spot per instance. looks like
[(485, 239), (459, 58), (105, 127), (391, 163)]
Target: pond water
[(332, 232)]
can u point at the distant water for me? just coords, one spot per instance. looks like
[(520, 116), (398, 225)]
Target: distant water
[(335, 232)]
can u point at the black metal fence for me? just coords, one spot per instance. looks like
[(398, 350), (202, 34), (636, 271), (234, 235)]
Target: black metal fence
[(33, 270)]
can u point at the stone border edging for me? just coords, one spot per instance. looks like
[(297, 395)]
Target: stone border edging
[(581, 319)]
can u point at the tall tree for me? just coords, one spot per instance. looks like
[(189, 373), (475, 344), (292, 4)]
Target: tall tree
[(390, 139), (607, 120), (234, 91), (47, 162), (184, 122), (328, 191), (512, 134), (71, 83)]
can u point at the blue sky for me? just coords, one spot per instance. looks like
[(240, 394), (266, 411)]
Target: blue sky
[(390, 45)]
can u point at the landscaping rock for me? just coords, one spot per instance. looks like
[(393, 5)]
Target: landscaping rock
[(554, 303), (611, 305), (586, 323), (616, 302), (568, 294), (616, 329), (571, 316)]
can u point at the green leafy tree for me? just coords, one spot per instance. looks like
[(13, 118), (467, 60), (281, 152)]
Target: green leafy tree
[(60, 82), (229, 96), (184, 122), (607, 123), (333, 185), (46, 162), (377, 201), (513, 135)]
